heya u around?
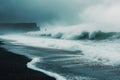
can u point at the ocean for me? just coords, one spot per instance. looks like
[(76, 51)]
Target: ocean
[(69, 56)]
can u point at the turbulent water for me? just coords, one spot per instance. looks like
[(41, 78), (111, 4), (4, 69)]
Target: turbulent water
[(70, 56)]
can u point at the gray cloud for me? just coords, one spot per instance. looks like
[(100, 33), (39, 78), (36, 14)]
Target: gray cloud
[(42, 11)]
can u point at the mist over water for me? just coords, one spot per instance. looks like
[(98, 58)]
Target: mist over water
[(94, 15), (98, 16)]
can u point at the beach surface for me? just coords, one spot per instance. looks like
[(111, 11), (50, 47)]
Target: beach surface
[(13, 67)]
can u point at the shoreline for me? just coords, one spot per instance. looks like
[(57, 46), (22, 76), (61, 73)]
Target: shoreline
[(13, 67), (51, 74)]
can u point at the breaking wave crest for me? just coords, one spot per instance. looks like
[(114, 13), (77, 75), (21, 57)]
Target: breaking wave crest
[(95, 35)]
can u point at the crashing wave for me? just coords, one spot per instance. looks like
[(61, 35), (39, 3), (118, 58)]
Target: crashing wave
[(95, 35)]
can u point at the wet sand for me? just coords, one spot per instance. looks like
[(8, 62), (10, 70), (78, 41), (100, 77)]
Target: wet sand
[(13, 67)]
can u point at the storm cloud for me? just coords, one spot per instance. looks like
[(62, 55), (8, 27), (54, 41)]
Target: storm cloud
[(42, 11), (61, 11)]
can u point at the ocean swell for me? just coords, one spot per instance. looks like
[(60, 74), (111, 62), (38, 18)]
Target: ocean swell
[(84, 35)]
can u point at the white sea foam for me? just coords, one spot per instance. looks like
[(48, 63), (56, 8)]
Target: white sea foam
[(106, 52), (52, 74), (76, 32)]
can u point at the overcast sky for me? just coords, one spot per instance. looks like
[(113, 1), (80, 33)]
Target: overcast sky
[(62, 11), (42, 10)]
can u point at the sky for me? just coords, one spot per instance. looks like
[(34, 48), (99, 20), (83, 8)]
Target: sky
[(42, 11), (67, 12)]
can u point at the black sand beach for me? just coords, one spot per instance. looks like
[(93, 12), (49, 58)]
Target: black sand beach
[(13, 67)]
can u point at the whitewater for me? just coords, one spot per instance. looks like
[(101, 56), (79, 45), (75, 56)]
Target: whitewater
[(70, 56)]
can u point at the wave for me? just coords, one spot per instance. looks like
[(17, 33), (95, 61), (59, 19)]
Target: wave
[(95, 35), (106, 52), (66, 64)]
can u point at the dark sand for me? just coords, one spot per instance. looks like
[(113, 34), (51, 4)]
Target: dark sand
[(13, 67)]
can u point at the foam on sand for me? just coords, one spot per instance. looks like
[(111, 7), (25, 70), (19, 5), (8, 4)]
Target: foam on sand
[(32, 66)]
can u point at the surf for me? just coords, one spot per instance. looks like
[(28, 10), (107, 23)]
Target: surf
[(100, 51), (84, 35)]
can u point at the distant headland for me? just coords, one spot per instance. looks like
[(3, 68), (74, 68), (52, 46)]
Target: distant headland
[(10, 28)]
